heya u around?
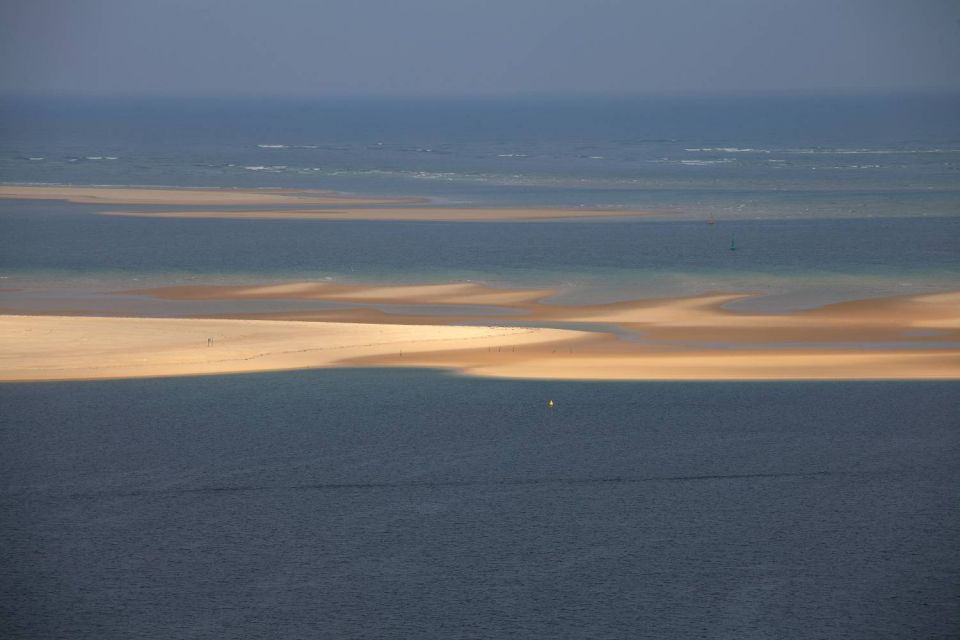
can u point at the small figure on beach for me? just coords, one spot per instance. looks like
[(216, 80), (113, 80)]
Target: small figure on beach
[(209, 341)]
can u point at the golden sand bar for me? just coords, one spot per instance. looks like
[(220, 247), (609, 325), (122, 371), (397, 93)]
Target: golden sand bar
[(692, 338), (703, 318), (608, 360), (35, 348), (191, 197)]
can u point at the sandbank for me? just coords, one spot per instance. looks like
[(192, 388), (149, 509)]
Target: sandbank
[(703, 318), (34, 348), (600, 359), (689, 338), (190, 197), (356, 207), (421, 214)]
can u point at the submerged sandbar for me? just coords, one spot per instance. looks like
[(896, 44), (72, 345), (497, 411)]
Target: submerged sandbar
[(417, 214), (326, 203), (181, 196)]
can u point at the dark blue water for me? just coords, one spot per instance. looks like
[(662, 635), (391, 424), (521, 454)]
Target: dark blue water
[(415, 504)]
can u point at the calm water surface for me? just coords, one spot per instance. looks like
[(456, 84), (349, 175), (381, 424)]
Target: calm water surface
[(372, 503), (48, 244)]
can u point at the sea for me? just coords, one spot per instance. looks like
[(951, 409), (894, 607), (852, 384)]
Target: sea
[(377, 503)]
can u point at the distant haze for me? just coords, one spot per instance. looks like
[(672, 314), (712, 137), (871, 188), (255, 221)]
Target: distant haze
[(451, 47)]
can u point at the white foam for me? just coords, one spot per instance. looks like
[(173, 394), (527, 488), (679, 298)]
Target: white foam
[(698, 163), (272, 146), (842, 151), (729, 150)]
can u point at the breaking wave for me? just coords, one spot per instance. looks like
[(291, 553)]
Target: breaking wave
[(729, 150)]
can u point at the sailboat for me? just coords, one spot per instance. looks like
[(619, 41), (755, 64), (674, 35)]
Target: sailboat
[(733, 245)]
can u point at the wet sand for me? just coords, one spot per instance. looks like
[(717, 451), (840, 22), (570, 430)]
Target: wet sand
[(449, 293), (703, 318), (613, 360), (420, 214)]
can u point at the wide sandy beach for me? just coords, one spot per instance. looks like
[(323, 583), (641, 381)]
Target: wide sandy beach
[(72, 348), (694, 338), (82, 348)]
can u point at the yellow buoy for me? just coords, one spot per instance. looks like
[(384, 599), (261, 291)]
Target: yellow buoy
[(550, 403)]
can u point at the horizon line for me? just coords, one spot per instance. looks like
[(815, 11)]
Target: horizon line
[(492, 96)]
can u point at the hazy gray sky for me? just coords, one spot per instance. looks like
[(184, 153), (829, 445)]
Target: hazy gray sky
[(476, 46)]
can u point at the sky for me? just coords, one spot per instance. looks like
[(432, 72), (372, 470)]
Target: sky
[(466, 47)]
